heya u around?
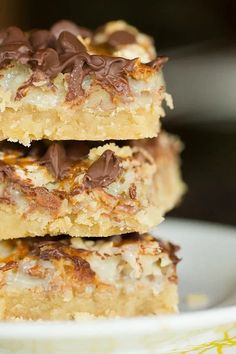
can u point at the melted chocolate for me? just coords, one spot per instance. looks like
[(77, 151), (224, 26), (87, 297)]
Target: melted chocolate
[(103, 171), (41, 39), (71, 27), (109, 72), (59, 50), (118, 38), (14, 45), (56, 160), (77, 150)]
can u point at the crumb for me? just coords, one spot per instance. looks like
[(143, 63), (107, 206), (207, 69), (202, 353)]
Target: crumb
[(197, 301)]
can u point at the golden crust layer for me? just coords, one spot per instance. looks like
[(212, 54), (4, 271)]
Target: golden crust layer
[(34, 202), (27, 124), (68, 278)]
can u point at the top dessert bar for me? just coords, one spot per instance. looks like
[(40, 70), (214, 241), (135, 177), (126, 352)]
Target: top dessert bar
[(72, 83)]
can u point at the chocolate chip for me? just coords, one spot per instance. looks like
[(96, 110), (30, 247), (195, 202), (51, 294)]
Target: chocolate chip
[(103, 171), (56, 161), (118, 38)]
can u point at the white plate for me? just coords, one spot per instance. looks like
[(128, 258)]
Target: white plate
[(207, 269)]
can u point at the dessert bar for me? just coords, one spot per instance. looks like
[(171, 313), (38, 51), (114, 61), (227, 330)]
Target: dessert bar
[(71, 278), (76, 189), (71, 83)]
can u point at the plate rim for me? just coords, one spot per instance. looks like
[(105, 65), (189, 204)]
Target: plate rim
[(125, 326)]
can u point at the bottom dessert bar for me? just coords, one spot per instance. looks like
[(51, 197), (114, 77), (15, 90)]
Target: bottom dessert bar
[(67, 278)]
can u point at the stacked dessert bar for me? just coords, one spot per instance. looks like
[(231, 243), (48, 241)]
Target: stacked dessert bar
[(85, 173)]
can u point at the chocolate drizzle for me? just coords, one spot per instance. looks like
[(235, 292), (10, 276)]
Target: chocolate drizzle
[(103, 171), (49, 53)]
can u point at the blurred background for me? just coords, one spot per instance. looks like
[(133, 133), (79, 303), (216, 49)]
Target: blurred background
[(199, 36)]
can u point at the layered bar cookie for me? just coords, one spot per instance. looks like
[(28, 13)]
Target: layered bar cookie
[(71, 83), (70, 278), (73, 188)]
